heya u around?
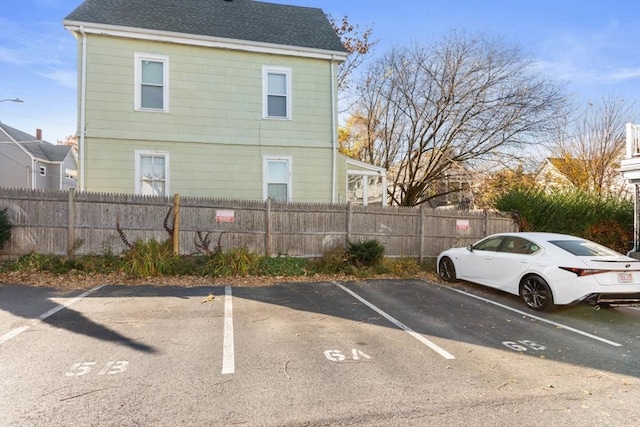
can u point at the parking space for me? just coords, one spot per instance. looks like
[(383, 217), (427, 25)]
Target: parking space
[(330, 353)]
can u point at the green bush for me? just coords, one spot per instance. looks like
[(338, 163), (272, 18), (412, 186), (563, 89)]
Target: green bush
[(368, 253), (150, 259), (34, 262), (5, 227), (281, 266), (606, 220), (236, 262)]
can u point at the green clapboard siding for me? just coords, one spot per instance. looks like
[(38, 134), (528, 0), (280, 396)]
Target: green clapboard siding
[(214, 130), (226, 171)]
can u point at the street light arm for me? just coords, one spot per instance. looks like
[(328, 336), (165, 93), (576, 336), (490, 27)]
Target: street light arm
[(12, 100)]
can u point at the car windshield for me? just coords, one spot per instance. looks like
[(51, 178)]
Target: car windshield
[(584, 248)]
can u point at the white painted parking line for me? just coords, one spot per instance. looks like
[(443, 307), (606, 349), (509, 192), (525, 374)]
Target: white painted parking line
[(399, 324), (15, 332), (551, 322), (228, 355)]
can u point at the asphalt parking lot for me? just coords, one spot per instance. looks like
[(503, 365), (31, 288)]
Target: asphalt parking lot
[(383, 352)]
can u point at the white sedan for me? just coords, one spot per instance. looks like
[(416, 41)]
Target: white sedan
[(546, 269)]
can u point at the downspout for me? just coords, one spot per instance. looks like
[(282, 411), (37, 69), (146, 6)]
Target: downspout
[(83, 94), (33, 173), (334, 131)]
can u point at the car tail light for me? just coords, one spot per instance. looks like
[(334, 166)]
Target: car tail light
[(580, 272)]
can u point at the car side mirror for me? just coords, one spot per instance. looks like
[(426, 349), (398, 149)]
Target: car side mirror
[(470, 248)]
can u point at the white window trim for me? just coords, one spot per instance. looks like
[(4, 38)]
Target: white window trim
[(139, 154), (266, 70), (138, 58), (265, 171)]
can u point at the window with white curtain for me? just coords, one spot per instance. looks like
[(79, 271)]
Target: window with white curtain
[(152, 173)]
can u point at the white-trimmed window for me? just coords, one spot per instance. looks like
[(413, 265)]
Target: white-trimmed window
[(43, 171), (152, 173), (277, 178), (276, 92), (151, 82)]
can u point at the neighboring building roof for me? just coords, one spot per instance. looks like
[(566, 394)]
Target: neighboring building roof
[(9, 134), (39, 149), (230, 19), (47, 151)]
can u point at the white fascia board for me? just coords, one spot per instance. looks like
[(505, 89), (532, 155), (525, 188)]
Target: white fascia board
[(203, 41), (374, 169)]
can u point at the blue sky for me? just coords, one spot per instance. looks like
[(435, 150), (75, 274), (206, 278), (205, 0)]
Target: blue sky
[(594, 45)]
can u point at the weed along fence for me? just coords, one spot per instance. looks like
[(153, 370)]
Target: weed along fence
[(79, 223)]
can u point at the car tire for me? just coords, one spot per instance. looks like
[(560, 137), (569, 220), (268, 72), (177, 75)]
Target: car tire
[(536, 293), (447, 270)]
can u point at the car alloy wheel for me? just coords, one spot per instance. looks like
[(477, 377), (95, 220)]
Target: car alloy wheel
[(447, 270), (536, 293)]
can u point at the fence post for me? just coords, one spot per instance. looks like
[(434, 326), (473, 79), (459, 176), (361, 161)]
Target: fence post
[(486, 223), (176, 224), (348, 223), (267, 228), (421, 246), (71, 225)]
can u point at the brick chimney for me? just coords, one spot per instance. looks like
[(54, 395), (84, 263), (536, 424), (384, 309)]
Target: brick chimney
[(39, 134)]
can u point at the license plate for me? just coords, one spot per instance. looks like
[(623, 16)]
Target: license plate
[(625, 278)]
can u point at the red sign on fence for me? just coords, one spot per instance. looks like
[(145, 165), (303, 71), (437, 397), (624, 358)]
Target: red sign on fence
[(224, 215)]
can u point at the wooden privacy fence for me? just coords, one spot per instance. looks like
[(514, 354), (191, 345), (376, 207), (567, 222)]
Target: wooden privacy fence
[(81, 223)]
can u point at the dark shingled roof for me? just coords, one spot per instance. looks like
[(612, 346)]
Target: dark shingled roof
[(231, 19), (8, 134), (39, 149)]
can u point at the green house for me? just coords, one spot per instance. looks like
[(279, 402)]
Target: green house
[(212, 98)]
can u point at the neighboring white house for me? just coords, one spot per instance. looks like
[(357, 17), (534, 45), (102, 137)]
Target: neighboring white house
[(630, 169), (26, 161)]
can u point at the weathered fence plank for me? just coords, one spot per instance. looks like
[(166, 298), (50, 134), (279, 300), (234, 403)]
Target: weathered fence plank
[(83, 223)]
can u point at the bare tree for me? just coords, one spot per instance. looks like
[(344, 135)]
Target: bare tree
[(432, 109), (357, 44), (588, 146)]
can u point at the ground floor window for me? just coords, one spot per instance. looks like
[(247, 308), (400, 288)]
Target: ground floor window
[(152, 173), (277, 178)]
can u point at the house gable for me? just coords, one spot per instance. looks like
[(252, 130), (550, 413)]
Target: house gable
[(30, 163), (213, 124)]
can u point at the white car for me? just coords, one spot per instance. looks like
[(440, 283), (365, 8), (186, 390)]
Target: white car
[(546, 269)]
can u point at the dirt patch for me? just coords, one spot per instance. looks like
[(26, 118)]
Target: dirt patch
[(80, 280)]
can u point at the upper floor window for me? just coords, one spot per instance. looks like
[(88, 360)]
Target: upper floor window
[(276, 93), (277, 178), (151, 82), (152, 173)]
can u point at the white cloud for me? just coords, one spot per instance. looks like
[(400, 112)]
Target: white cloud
[(65, 78)]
